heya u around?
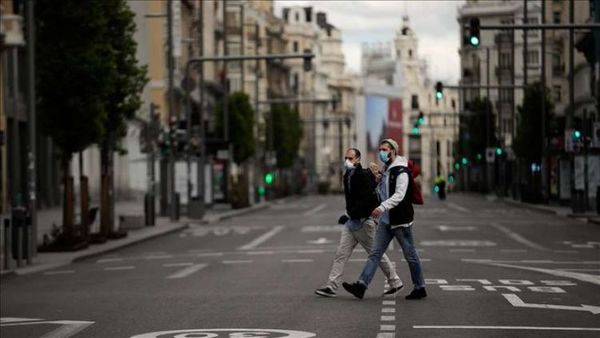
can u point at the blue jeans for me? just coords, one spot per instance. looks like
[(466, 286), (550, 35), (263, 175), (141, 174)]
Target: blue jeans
[(383, 236)]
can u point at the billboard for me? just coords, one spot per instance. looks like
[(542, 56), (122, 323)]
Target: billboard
[(383, 117)]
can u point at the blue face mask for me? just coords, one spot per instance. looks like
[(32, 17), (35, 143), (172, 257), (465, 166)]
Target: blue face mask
[(384, 156)]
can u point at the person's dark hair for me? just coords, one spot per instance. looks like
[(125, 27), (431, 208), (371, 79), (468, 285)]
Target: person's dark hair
[(356, 152)]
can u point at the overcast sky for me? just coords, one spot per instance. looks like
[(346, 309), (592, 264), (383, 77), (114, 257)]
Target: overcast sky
[(378, 21)]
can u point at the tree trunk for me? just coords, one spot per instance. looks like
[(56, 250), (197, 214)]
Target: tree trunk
[(68, 207), (106, 220)]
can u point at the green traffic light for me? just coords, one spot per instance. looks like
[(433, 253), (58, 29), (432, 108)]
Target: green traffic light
[(465, 161), (479, 157), (268, 178), (498, 151), (474, 41), (261, 191), (456, 166), (439, 95), (421, 120), (436, 189), (415, 131), (577, 134)]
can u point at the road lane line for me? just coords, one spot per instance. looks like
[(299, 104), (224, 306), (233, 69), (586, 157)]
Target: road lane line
[(457, 207), (462, 250), (241, 261), (210, 254), (513, 250), (68, 329), (388, 318), (187, 271), (310, 251), (387, 328), (388, 310), (584, 277), (541, 328), (515, 236), (61, 272), (357, 260), (389, 302), (263, 238), (297, 260), (118, 268), (260, 252), (170, 265), (315, 210), (386, 335), (109, 260)]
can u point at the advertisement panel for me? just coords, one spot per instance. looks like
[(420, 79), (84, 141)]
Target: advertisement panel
[(383, 120)]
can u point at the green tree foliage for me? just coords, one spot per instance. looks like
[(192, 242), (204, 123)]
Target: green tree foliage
[(474, 129), (72, 72), (287, 133), (528, 141), (241, 126)]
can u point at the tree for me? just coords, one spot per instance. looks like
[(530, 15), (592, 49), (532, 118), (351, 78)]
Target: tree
[(127, 80), (72, 76), (287, 134), (528, 141), (241, 126)]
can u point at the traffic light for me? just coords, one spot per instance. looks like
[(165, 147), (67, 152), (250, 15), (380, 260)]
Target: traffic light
[(465, 161), (474, 34), (439, 91), (499, 151), (421, 119), (261, 191), (479, 157), (451, 178), (307, 61), (418, 123), (416, 131), (456, 166), (269, 178), (576, 135)]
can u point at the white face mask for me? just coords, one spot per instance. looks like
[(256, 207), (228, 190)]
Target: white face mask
[(348, 164)]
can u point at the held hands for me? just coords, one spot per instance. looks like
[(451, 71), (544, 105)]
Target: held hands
[(376, 213)]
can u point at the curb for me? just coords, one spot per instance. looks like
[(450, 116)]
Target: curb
[(542, 209), (85, 255)]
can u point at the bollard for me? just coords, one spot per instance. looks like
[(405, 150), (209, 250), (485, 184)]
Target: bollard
[(177, 206), (7, 244), (149, 211), (598, 199)]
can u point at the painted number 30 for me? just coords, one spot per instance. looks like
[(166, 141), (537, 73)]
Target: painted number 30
[(229, 333)]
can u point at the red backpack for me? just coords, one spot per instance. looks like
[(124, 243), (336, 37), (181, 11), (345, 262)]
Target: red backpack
[(417, 197)]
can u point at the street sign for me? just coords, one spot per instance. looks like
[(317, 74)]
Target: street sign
[(223, 154), (490, 155)]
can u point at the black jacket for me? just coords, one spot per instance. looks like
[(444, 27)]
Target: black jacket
[(403, 213), (361, 197)]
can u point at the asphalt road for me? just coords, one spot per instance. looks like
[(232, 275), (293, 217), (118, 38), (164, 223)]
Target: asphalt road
[(492, 270)]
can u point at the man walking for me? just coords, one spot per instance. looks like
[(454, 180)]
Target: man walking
[(361, 198), (396, 220)]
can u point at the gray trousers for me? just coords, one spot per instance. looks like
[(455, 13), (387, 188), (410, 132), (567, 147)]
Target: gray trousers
[(348, 241)]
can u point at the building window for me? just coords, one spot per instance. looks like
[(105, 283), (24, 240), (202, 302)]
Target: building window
[(295, 44), (556, 91), (415, 102), (534, 33), (556, 16), (505, 59), (297, 17), (295, 83), (410, 53), (533, 58), (448, 148)]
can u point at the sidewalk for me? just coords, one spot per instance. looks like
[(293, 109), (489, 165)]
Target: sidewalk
[(52, 260), (589, 217)]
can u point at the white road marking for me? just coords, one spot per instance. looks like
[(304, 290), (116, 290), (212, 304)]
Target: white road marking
[(514, 250), (263, 238), (421, 259), (389, 302), (209, 254), (515, 301), (473, 260), (320, 240), (388, 318), (446, 228), (118, 268), (315, 210), (592, 270), (310, 251), (187, 271), (515, 236), (260, 252), (170, 265), (457, 242), (357, 260), (62, 272), (6, 320), (237, 261), (575, 275), (388, 310), (386, 335), (541, 328), (387, 328), (109, 260), (297, 260), (228, 333), (456, 207), (566, 251), (68, 328)]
